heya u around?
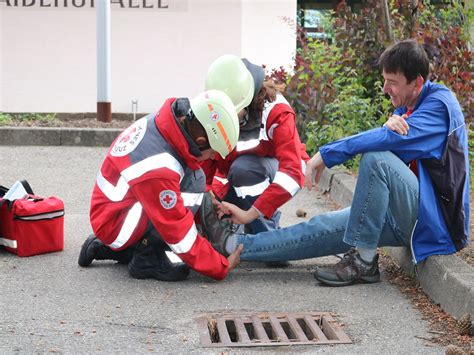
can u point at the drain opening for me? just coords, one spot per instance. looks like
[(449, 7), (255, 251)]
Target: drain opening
[(288, 331), (270, 329), (231, 329), (251, 331), (306, 330)]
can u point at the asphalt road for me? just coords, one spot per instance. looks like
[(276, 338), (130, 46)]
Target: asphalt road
[(49, 304)]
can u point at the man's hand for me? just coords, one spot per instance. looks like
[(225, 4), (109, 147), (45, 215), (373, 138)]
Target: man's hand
[(214, 200), (237, 215), (234, 258), (314, 168), (398, 124)]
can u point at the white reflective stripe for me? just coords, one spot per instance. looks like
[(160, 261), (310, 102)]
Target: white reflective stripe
[(245, 145), (253, 190), (192, 199), (113, 193), (117, 193), (271, 129), (263, 136), (222, 180), (280, 99), (186, 243), (163, 160), (42, 216), (303, 166), (129, 225), (8, 243), (173, 257), (287, 182)]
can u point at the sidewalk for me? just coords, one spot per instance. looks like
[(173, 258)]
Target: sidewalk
[(448, 280), (50, 304)]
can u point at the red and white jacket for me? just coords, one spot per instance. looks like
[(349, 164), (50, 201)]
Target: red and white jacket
[(278, 138), (139, 181)]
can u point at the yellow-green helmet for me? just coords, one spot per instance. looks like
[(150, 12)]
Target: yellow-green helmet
[(229, 74), (216, 113)]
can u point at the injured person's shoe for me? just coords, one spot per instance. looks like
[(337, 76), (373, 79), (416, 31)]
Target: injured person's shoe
[(151, 262), (349, 270), (94, 249), (217, 231)]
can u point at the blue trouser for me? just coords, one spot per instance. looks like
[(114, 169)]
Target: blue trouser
[(249, 175), (383, 213)]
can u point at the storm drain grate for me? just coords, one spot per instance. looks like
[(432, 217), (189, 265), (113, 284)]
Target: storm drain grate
[(270, 329)]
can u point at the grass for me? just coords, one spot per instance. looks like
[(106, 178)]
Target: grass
[(9, 118)]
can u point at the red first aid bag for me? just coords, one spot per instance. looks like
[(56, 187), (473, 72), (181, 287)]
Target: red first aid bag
[(32, 225)]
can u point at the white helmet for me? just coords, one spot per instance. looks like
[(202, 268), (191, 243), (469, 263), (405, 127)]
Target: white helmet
[(216, 113), (228, 73)]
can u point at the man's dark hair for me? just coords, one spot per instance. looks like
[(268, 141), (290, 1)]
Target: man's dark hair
[(406, 57)]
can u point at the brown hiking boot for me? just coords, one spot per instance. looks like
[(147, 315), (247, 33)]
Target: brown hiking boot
[(349, 270)]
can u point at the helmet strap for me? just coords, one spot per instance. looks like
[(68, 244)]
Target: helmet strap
[(253, 120), (196, 131)]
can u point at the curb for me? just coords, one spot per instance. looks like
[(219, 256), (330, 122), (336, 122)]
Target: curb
[(58, 136), (446, 279)]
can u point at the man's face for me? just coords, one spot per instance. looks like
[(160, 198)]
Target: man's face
[(400, 91)]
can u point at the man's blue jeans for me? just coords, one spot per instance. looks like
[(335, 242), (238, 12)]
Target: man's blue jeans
[(383, 213)]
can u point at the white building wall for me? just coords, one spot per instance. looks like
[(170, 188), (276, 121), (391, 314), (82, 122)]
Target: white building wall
[(1, 59), (269, 32), (48, 60), (48, 55)]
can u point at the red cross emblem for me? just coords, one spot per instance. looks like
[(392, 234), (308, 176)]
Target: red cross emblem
[(168, 199), (214, 116)]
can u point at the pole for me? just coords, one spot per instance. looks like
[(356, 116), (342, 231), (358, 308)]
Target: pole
[(386, 21), (104, 106)]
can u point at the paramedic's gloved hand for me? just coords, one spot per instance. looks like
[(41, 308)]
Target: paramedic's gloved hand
[(236, 214), (234, 258), (314, 169)]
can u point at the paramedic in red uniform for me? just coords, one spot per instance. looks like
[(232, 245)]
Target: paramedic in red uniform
[(150, 186), (267, 167)]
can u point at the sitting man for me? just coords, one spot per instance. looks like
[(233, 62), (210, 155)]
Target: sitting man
[(412, 189), (150, 185)]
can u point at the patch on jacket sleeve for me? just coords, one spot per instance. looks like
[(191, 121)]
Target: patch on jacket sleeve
[(168, 199), (129, 138)]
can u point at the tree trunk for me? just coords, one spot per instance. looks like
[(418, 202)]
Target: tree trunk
[(386, 20), (414, 16)]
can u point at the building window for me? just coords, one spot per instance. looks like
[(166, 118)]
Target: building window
[(311, 13)]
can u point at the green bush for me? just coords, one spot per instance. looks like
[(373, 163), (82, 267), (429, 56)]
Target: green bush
[(336, 89), (331, 91), (350, 113), (444, 32)]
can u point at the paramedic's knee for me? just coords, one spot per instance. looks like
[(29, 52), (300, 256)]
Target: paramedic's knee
[(246, 170)]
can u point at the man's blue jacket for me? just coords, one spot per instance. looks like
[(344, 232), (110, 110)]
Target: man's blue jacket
[(437, 140)]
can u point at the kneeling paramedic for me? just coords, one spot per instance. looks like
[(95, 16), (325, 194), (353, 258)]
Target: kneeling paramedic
[(266, 169), (150, 187)]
